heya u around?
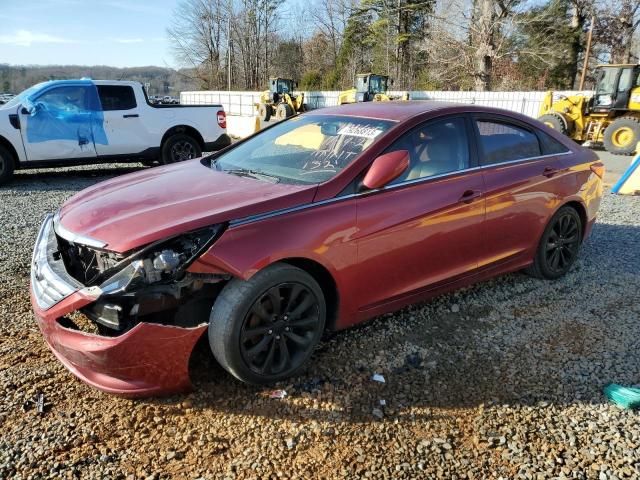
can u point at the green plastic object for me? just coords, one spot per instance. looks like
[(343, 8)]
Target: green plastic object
[(625, 397)]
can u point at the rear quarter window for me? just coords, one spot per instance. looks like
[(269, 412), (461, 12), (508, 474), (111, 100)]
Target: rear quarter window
[(504, 142), (116, 97), (550, 145)]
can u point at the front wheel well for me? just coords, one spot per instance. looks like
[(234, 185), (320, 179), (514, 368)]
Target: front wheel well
[(12, 151), (327, 283), (187, 130)]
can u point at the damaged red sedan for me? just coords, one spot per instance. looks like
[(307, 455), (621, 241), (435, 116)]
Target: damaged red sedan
[(316, 223)]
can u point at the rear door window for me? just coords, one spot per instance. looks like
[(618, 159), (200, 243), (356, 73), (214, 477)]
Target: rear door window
[(504, 142), (116, 97)]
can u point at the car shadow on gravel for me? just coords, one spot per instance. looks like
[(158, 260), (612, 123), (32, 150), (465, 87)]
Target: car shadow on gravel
[(511, 340)]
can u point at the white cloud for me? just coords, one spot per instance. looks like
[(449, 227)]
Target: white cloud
[(127, 40), (25, 38)]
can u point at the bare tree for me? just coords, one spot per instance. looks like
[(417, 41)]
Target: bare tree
[(617, 22), (197, 36)]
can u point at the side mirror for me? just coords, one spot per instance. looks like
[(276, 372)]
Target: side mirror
[(386, 168)]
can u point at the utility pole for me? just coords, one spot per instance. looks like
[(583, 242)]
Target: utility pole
[(229, 53), (587, 52)]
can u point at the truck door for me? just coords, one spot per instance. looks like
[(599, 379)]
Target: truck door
[(62, 122), (122, 121)]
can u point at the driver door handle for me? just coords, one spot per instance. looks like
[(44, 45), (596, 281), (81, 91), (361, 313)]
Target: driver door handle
[(470, 195), (550, 171), (131, 115)]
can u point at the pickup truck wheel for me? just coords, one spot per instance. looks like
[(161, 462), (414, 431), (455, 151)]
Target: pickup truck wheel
[(180, 147), (265, 329), (6, 165)]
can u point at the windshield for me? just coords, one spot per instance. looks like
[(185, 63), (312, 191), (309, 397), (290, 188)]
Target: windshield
[(284, 86), (303, 150), (377, 84), (606, 86), (18, 99)]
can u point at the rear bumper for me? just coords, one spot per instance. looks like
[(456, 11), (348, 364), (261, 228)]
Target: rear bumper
[(150, 359), (223, 140)]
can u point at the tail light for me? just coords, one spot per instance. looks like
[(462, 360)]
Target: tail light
[(598, 169), (222, 119)]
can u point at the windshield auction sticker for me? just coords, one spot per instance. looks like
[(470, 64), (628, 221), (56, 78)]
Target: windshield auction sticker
[(360, 131)]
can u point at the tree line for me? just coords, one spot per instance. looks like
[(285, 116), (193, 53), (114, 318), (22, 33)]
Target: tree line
[(422, 44)]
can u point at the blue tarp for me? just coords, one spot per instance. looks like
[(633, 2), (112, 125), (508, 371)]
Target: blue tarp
[(66, 110)]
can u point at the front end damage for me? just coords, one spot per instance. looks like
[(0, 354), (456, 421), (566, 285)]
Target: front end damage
[(145, 311)]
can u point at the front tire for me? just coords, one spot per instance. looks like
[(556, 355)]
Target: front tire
[(265, 329), (264, 112), (559, 246), (178, 148), (6, 166), (555, 121), (622, 135), (283, 111)]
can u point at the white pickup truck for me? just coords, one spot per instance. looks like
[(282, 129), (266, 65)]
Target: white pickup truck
[(72, 122)]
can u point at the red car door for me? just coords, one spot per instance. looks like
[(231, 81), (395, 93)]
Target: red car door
[(423, 230), (526, 176)]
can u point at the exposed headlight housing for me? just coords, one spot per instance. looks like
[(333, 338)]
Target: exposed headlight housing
[(161, 261)]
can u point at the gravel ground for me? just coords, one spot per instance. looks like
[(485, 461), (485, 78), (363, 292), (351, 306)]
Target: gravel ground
[(502, 379)]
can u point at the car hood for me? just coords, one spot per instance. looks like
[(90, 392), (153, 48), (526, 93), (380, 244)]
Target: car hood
[(136, 209)]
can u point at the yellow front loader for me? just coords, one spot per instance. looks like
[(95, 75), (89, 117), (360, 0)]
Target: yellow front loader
[(611, 117), (279, 101), (369, 88)]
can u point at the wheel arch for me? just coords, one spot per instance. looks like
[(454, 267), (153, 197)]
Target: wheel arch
[(326, 281), (4, 142), (582, 211), (186, 129)]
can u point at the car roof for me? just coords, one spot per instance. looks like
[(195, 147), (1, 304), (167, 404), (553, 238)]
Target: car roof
[(401, 110), (397, 110)]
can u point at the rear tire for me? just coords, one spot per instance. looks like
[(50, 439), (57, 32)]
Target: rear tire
[(178, 148), (283, 111), (264, 112), (559, 245), (622, 135), (6, 165), (265, 329), (555, 121)]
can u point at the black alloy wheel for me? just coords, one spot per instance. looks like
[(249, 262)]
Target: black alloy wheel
[(558, 249), (279, 330), (563, 243), (265, 329)]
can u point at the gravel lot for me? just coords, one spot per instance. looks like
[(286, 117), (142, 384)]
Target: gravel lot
[(502, 379)]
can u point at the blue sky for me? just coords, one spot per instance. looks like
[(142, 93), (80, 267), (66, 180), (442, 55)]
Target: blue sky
[(120, 33)]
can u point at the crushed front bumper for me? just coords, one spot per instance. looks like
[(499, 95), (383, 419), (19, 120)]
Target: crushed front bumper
[(150, 359)]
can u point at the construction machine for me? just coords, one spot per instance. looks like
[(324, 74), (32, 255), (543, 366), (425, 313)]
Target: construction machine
[(611, 117), (279, 101), (369, 88)]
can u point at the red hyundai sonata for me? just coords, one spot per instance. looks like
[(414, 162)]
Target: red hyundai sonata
[(316, 223)]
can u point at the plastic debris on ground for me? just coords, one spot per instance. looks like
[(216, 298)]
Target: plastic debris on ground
[(625, 397), (383, 402), (377, 413), (38, 401), (278, 394), (378, 378)]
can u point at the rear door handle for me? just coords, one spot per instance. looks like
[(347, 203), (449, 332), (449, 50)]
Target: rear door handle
[(470, 195), (131, 115)]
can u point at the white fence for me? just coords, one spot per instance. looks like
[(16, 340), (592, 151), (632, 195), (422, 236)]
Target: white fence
[(243, 103)]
